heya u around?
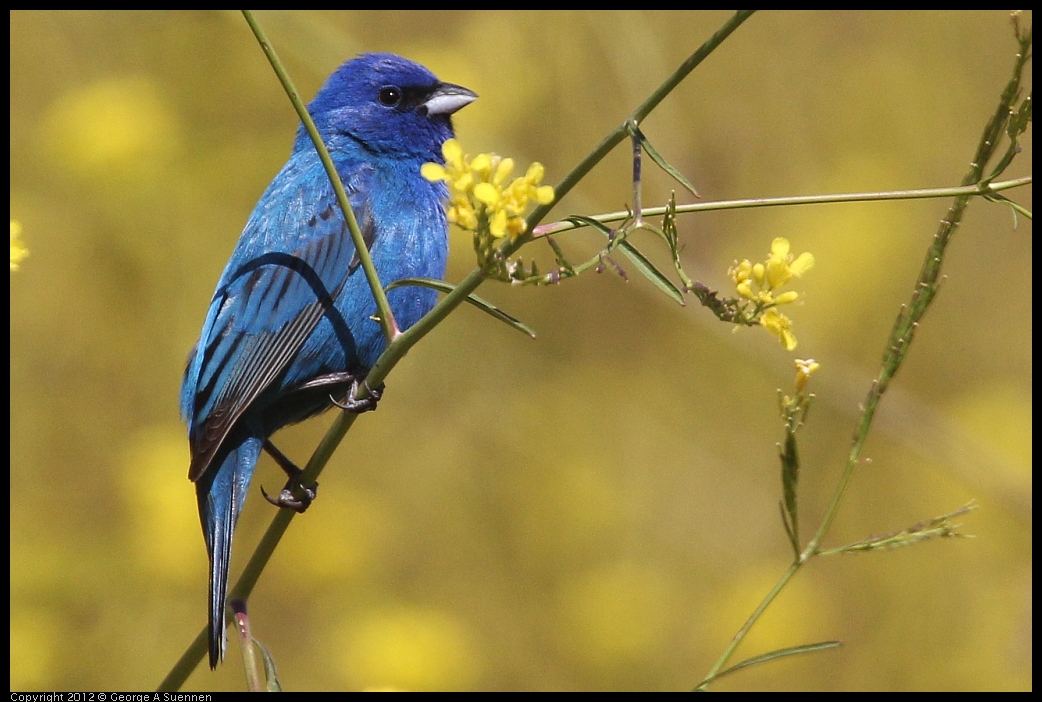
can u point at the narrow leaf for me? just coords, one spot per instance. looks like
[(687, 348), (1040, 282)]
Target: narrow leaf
[(669, 228), (481, 303), (790, 463), (590, 222), (938, 527), (788, 530), (774, 655), (640, 260), (661, 162), (648, 227), (271, 674), (562, 260), (651, 273)]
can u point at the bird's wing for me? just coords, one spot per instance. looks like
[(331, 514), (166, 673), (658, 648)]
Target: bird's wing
[(293, 259)]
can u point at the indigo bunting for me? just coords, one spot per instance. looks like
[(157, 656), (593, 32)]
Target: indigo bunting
[(291, 323)]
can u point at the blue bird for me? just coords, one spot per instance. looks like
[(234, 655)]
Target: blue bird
[(291, 324)]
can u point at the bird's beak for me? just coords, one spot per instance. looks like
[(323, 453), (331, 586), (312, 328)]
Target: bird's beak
[(448, 98)]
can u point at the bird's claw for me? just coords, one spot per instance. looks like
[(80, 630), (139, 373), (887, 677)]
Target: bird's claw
[(288, 497), (350, 404)]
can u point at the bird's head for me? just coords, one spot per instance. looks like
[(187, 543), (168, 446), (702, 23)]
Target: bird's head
[(389, 105)]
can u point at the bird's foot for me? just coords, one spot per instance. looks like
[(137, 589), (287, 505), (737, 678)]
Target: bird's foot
[(295, 495), (367, 404)]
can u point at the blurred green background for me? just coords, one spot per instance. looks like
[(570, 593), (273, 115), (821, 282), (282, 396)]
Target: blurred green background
[(596, 509)]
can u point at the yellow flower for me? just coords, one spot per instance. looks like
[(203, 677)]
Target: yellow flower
[(779, 325), (785, 264), (503, 171), (740, 273), (760, 283), (804, 370), (452, 152), (479, 192), (433, 171), (782, 267), (487, 193), (18, 249), (481, 164)]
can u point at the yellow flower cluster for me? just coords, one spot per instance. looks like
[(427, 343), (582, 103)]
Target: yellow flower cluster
[(18, 249), (480, 197), (760, 282)]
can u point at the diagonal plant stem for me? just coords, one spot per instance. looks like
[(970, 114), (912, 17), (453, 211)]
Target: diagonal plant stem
[(926, 287), (901, 336), (387, 323), (403, 341), (636, 117)]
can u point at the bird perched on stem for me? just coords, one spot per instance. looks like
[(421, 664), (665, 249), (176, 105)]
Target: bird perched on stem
[(292, 323)]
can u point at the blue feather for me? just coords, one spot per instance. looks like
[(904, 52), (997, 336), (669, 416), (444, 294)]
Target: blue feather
[(292, 304)]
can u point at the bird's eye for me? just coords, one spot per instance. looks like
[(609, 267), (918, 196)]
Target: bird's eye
[(390, 96)]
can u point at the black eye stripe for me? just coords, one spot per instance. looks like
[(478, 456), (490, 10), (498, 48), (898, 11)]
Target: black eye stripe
[(404, 98)]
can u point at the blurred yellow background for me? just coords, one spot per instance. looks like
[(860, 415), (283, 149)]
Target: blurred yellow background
[(596, 509)]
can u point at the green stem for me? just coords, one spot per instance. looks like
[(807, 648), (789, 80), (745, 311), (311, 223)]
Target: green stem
[(387, 323), (737, 638), (395, 351), (637, 116), (926, 287), (901, 336), (558, 227), (401, 342)]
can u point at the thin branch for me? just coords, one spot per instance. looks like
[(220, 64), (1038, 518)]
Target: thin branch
[(988, 191), (900, 337), (387, 323)]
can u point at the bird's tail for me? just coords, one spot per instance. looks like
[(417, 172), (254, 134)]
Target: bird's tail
[(221, 492)]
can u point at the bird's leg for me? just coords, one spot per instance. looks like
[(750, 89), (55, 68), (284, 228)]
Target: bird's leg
[(350, 404), (288, 497)]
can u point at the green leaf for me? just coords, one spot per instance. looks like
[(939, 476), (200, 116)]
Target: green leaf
[(615, 236), (774, 655), (270, 672), (1018, 123), (648, 227), (669, 228), (793, 541), (938, 527), (651, 273), (590, 222), (639, 260), (480, 303), (562, 260), (790, 463), (661, 162)]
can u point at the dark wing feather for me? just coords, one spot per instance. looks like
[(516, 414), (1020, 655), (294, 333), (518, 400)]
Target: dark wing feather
[(266, 307)]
